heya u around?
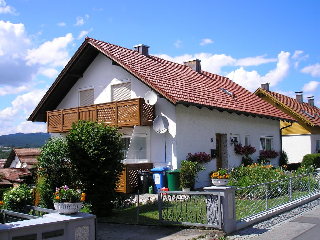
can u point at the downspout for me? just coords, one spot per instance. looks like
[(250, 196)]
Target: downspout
[(281, 134)]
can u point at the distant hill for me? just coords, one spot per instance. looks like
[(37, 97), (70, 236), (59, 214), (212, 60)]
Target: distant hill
[(27, 140)]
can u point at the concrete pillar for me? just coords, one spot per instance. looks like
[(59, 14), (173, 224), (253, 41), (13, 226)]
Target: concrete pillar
[(228, 207)]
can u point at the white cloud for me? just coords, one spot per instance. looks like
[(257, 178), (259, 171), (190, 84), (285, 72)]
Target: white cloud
[(49, 72), (314, 70), (178, 43), (310, 86), (28, 101), (61, 24), (252, 80), (177, 59), (254, 61), (8, 114), (205, 41), (7, 9), (298, 57), (84, 33), (31, 127), (51, 52), (214, 63), (87, 16), (7, 90), (80, 21)]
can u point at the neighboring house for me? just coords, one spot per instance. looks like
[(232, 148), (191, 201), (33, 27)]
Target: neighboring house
[(196, 111), (2, 162), (303, 136), (12, 177), (23, 158)]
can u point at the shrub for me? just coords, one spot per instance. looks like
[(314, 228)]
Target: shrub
[(95, 155), (245, 150), (283, 159), (17, 198), (246, 160), (311, 160), (264, 154), (293, 166), (188, 173), (200, 157)]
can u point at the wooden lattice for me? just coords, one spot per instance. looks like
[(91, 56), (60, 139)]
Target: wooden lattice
[(132, 112), (129, 179)]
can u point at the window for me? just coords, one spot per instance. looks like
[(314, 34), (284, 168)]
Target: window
[(126, 143), (121, 91), (266, 143), (317, 146), (247, 140), (86, 97)]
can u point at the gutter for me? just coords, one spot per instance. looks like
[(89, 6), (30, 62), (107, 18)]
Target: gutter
[(281, 133)]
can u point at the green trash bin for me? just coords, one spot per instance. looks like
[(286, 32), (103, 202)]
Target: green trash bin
[(174, 180)]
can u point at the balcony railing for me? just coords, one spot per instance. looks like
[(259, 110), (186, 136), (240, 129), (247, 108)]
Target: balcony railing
[(126, 113)]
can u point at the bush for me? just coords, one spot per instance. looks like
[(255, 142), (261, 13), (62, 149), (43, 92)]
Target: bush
[(188, 173), (311, 160), (54, 169), (95, 155), (17, 198), (283, 159), (200, 157), (293, 166)]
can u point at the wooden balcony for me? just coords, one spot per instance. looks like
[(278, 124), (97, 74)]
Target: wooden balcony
[(126, 113)]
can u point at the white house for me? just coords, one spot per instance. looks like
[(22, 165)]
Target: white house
[(197, 111), (303, 136)]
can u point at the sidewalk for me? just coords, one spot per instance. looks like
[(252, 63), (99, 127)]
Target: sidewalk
[(300, 223)]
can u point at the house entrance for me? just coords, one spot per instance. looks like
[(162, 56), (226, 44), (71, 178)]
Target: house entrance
[(222, 151)]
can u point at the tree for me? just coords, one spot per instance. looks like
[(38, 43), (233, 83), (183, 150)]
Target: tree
[(95, 154), (54, 169)]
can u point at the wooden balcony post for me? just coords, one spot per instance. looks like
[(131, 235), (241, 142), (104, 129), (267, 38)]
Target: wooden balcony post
[(116, 113), (78, 114), (61, 112), (48, 122), (96, 113), (140, 114)]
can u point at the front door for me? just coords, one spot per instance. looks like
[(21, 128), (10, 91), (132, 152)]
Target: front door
[(218, 148)]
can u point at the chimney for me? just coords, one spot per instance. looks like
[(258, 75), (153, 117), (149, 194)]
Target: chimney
[(311, 101), (299, 97), (194, 65), (265, 86), (143, 49)]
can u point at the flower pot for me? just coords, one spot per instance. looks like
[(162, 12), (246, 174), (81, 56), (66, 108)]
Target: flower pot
[(220, 182), (68, 208)]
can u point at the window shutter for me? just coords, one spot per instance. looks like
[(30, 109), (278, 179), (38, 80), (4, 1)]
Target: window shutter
[(86, 97), (121, 91)]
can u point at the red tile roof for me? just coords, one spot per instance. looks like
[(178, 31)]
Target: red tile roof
[(304, 111), (15, 174), (176, 82), (27, 155)]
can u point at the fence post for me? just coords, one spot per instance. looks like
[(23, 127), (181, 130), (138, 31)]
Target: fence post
[(266, 196), (160, 206), (290, 190), (228, 207), (309, 183), (318, 176)]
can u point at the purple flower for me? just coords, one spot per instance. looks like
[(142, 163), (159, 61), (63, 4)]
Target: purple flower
[(57, 189), (65, 187)]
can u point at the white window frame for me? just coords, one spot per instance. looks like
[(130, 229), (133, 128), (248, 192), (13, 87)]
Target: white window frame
[(265, 139)]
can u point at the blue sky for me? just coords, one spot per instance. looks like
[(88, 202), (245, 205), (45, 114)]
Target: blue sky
[(251, 42)]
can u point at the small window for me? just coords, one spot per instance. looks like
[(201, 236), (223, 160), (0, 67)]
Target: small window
[(266, 143), (121, 91), (317, 146), (247, 140), (126, 143), (86, 97)]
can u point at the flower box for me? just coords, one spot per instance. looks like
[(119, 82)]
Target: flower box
[(219, 182), (68, 208)]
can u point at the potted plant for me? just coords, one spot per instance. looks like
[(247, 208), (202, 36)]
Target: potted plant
[(188, 174), (220, 178), (67, 200)]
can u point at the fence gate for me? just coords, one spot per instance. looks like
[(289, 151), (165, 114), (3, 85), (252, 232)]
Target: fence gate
[(190, 208)]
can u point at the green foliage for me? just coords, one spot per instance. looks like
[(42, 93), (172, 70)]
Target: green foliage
[(16, 198), (54, 169), (246, 160), (283, 159), (188, 173), (4, 153), (311, 160), (95, 155)]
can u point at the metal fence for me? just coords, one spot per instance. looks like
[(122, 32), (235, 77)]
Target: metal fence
[(264, 197), (190, 208)]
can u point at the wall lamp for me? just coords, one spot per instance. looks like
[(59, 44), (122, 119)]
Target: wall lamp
[(233, 140)]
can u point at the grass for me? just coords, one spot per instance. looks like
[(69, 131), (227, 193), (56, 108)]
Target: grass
[(148, 215)]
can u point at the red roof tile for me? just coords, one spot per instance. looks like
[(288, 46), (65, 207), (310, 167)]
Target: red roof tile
[(15, 174), (176, 82), (312, 114)]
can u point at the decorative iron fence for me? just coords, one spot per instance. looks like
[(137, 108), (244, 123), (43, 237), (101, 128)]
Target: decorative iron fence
[(264, 197), (190, 208)]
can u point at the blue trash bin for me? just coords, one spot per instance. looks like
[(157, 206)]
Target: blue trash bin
[(159, 178)]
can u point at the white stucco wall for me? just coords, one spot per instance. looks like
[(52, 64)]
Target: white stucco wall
[(196, 127), (100, 75), (296, 146), (15, 163)]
